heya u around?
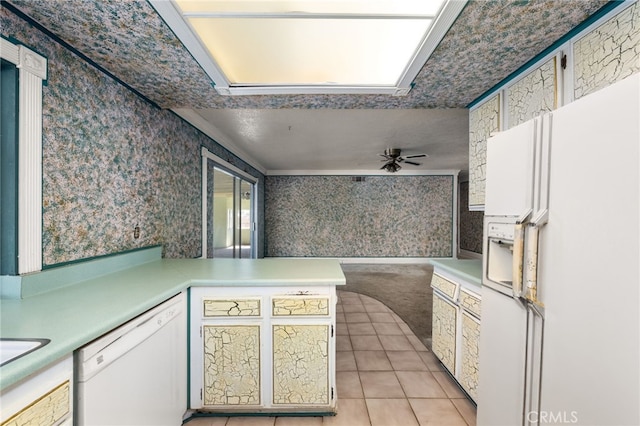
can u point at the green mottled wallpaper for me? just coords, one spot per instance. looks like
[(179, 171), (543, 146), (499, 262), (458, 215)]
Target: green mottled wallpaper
[(112, 161), (384, 216)]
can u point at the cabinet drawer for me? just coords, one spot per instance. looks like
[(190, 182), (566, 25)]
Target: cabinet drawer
[(231, 307), (293, 306), (444, 285), (470, 301)]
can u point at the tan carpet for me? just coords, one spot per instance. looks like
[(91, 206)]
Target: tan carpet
[(405, 288)]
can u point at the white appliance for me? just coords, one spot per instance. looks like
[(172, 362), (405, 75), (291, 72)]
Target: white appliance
[(560, 333), (136, 374)]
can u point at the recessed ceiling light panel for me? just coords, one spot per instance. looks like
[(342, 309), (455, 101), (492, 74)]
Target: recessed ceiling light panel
[(310, 47)]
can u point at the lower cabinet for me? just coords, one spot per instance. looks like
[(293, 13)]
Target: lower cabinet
[(469, 359), (301, 364), (45, 399), (456, 329), (231, 375), (261, 349), (443, 334)]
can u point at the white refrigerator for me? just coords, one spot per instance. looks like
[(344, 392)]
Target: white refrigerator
[(560, 332)]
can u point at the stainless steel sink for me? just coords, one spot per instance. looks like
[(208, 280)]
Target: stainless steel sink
[(12, 349)]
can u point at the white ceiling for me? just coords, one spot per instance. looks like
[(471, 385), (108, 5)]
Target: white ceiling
[(292, 141)]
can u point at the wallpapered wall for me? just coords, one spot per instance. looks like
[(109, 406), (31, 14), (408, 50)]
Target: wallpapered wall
[(112, 161), (384, 216), (470, 223)]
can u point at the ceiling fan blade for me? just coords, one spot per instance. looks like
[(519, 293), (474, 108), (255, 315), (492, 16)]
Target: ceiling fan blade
[(415, 156), (411, 162)]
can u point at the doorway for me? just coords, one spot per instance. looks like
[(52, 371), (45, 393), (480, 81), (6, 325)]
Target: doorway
[(229, 229)]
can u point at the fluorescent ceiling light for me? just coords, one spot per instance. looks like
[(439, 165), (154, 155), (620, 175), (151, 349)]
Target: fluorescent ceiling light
[(310, 47)]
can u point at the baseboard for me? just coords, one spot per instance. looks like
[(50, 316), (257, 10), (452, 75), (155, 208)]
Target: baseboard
[(424, 260), (465, 254)]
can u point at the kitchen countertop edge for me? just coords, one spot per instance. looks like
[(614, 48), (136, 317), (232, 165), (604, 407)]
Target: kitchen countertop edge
[(78, 314), (469, 270)]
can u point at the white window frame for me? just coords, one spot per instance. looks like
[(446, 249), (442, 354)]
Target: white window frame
[(208, 155)]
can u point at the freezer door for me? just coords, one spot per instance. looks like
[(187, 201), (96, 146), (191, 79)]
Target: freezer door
[(510, 170)]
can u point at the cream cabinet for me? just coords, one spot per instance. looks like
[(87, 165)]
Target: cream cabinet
[(45, 399), (598, 56), (262, 349), (467, 374), (443, 334), (456, 328), (483, 120)]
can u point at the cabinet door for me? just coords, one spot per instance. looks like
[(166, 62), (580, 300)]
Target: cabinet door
[(483, 121), (300, 364), (43, 399), (443, 338), (231, 365), (469, 348)]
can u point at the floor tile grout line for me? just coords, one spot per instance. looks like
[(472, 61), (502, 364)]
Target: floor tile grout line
[(414, 349)]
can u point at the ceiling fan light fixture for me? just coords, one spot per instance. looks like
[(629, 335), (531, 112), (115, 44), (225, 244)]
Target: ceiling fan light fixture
[(393, 158), (391, 167)]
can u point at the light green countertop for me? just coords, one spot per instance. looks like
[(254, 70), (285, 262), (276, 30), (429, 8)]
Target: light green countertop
[(469, 270), (74, 315)]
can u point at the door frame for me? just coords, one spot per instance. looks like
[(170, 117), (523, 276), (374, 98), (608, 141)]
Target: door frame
[(236, 172)]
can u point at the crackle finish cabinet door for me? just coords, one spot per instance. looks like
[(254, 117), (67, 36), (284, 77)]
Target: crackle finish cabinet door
[(231, 328), (483, 120), (443, 338), (231, 365), (469, 360), (300, 364), (43, 399), (258, 350)]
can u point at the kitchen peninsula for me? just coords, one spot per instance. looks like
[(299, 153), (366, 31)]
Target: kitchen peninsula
[(75, 304)]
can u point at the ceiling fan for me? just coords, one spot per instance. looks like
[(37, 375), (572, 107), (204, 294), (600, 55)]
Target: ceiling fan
[(393, 159)]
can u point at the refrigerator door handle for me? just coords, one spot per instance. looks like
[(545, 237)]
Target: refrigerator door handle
[(518, 254), (518, 259), (533, 365), (531, 271)]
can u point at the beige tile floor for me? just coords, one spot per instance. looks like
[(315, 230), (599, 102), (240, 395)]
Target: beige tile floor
[(385, 376)]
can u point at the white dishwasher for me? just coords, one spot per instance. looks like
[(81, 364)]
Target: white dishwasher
[(136, 374)]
